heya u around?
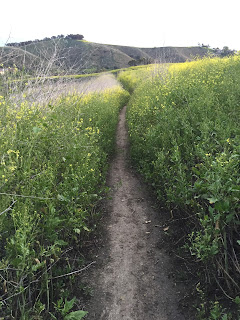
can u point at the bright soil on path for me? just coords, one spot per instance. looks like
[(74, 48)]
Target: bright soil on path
[(131, 277)]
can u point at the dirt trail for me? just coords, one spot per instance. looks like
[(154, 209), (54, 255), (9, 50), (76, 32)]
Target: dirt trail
[(131, 281)]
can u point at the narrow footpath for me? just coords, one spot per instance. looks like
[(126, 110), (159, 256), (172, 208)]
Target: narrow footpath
[(131, 278)]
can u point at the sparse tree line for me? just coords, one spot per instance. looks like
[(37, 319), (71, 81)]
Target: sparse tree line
[(224, 52), (61, 36)]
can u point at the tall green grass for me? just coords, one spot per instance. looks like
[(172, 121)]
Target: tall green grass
[(131, 78), (53, 162), (185, 139)]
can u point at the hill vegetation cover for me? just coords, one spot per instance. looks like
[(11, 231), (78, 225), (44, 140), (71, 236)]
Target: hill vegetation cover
[(183, 126), (53, 165), (73, 55), (184, 132)]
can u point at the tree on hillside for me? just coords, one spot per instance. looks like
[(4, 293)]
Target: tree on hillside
[(226, 51), (132, 63), (75, 36), (61, 36), (140, 61)]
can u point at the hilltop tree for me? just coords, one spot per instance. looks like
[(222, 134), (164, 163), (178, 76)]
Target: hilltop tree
[(75, 36), (61, 36), (226, 51)]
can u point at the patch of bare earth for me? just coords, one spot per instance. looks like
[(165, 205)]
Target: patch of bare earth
[(130, 279)]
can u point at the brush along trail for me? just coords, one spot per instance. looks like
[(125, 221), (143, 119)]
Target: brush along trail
[(131, 277)]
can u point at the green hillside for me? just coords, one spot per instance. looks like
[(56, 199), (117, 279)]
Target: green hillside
[(74, 56), (68, 56), (11, 56), (164, 54), (175, 54)]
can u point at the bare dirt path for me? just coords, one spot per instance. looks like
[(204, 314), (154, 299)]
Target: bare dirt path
[(131, 278)]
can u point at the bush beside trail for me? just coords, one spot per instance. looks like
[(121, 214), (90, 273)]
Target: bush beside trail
[(53, 167), (132, 77), (185, 140)]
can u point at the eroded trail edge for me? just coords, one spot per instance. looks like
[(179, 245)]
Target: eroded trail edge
[(132, 279)]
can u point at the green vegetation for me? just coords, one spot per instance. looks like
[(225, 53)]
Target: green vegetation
[(67, 55), (78, 37), (8, 83), (185, 140), (184, 131), (53, 166), (131, 78)]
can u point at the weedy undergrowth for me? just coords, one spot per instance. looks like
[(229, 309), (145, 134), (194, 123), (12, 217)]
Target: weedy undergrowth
[(184, 132), (53, 162)]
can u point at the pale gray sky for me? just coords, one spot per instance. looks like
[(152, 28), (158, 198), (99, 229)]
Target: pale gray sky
[(146, 23)]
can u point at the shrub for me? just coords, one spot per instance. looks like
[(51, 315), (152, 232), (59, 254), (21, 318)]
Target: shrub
[(184, 131), (53, 166)]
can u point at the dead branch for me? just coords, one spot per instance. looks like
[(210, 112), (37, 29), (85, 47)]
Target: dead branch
[(9, 208)]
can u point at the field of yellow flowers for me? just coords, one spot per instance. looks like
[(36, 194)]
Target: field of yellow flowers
[(185, 140), (132, 77), (53, 161)]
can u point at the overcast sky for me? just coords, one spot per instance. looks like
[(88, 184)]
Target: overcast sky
[(146, 23)]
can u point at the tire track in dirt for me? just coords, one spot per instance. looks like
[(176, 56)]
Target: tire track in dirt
[(131, 281)]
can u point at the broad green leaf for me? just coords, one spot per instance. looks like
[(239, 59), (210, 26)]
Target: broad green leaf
[(77, 230), (76, 315), (212, 200), (36, 129), (237, 300), (61, 197), (60, 242), (68, 305)]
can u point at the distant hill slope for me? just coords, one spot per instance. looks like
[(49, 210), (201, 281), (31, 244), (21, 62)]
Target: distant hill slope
[(164, 54), (9, 56), (76, 56), (23, 59), (176, 54)]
